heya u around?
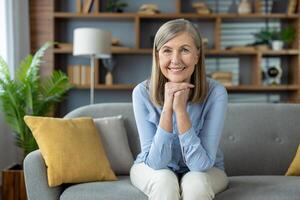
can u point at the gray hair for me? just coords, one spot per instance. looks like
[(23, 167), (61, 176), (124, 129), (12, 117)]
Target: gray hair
[(166, 32)]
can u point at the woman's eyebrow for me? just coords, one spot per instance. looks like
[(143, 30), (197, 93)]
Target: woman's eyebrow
[(184, 45)]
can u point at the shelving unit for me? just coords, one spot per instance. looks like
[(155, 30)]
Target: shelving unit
[(141, 21)]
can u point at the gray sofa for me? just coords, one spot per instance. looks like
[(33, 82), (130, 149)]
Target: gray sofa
[(259, 143)]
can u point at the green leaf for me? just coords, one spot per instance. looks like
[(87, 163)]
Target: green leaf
[(4, 71), (27, 94)]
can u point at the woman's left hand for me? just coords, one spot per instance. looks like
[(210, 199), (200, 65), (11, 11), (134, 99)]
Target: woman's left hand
[(180, 100)]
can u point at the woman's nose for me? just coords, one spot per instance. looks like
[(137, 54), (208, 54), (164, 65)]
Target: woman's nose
[(175, 58)]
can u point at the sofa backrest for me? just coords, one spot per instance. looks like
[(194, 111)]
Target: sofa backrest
[(258, 139)]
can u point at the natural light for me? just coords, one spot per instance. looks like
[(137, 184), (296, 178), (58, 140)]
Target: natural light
[(3, 40)]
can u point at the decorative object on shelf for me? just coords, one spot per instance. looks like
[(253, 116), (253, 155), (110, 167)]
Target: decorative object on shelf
[(115, 42), (272, 75), (201, 8), (258, 6), (276, 38), (262, 37), (277, 45), (109, 64), (148, 9), (244, 7), (292, 6), (115, 6), (281, 38), (64, 46), (287, 35), (29, 94), (94, 43), (85, 6), (205, 42), (224, 78), (233, 7)]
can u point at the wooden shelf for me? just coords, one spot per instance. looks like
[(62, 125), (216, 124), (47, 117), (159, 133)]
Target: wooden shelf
[(174, 15), (114, 51), (94, 15), (258, 16), (125, 50), (107, 87), (139, 23)]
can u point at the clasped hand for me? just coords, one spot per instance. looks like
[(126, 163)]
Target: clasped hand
[(176, 96)]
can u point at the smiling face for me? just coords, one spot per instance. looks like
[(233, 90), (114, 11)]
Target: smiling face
[(178, 57)]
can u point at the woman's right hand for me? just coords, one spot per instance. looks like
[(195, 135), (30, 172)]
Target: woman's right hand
[(170, 89)]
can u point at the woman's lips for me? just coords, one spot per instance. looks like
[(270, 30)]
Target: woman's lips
[(176, 69)]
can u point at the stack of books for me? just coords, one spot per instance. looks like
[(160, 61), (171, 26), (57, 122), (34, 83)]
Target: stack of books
[(224, 78)]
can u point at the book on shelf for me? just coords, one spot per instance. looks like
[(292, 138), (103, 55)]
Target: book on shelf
[(292, 6), (85, 75), (79, 74), (87, 6), (78, 6)]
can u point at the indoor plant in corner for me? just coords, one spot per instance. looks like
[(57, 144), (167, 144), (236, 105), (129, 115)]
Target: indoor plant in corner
[(27, 94)]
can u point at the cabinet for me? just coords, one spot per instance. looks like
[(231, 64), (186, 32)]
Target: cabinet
[(136, 30)]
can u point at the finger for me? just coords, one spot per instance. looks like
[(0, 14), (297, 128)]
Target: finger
[(181, 92), (182, 87)]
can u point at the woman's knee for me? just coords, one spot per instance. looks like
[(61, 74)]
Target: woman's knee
[(165, 178), (165, 185), (196, 185)]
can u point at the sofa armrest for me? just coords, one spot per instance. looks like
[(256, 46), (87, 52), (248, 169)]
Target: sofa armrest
[(36, 181)]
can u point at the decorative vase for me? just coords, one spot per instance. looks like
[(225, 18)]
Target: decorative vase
[(277, 44), (244, 7), (108, 78), (13, 183)]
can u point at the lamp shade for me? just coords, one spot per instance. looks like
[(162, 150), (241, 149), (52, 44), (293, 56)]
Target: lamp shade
[(92, 41)]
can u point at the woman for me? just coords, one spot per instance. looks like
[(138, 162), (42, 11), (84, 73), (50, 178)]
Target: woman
[(179, 115)]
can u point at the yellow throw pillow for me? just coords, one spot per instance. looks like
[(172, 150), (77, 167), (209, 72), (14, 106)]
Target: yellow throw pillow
[(294, 168), (72, 150)]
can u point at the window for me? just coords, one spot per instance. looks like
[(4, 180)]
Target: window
[(3, 30)]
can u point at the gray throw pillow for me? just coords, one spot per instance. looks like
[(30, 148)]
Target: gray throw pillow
[(114, 138)]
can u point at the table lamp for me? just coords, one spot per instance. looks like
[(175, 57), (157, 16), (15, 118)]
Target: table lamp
[(94, 43)]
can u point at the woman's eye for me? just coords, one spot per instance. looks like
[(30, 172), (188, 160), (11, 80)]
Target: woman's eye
[(167, 51), (185, 50)]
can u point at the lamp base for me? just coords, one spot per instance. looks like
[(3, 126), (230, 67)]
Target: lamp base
[(108, 78)]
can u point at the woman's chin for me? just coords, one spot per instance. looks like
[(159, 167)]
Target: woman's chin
[(177, 80)]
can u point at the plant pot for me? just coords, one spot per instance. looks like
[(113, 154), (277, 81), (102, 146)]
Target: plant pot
[(277, 45), (13, 183)]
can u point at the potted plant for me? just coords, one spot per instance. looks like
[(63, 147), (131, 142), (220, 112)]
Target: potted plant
[(287, 35), (115, 6), (275, 38), (27, 94)]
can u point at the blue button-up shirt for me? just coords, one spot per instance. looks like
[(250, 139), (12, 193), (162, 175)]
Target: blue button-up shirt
[(195, 150)]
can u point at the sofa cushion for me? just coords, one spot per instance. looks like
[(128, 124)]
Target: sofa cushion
[(112, 190), (294, 168), (71, 148), (261, 187), (114, 138)]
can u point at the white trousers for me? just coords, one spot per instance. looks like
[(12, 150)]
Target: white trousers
[(164, 185)]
